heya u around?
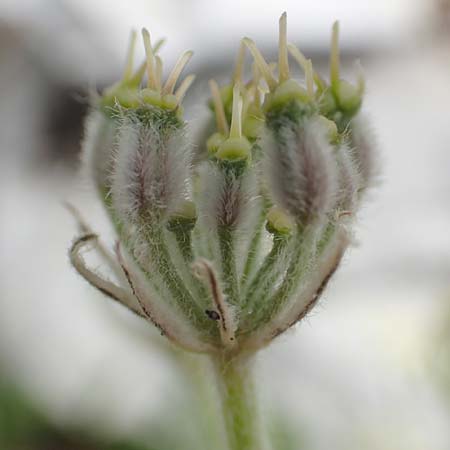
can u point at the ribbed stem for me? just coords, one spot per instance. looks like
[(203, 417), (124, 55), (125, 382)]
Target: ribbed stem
[(253, 249), (239, 404), (228, 257), (184, 299), (266, 275)]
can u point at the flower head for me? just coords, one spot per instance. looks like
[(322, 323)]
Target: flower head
[(226, 251)]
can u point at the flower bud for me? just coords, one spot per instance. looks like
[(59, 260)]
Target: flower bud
[(225, 253), (363, 143), (152, 167), (301, 170)]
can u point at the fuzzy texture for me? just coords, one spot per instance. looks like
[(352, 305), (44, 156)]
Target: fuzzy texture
[(301, 171), (98, 149), (163, 314), (349, 180), (225, 197), (151, 172), (363, 142), (306, 296)]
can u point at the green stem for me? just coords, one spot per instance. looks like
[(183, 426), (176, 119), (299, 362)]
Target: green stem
[(184, 241), (239, 404), (302, 254), (228, 257), (184, 300), (265, 277), (253, 249)]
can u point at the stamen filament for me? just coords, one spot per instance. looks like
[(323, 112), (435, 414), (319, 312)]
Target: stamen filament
[(151, 82), (184, 86), (137, 76), (221, 121), (128, 72), (334, 56), (158, 72), (298, 56), (236, 115), (237, 76), (283, 63), (176, 72), (264, 68), (249, 96), (256, 81), (303, 63), (158, 45)]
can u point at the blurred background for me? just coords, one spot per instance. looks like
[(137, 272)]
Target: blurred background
[(369, 369)]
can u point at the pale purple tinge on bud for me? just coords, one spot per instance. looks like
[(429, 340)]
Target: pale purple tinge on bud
[(349, 180), (98, 144), (152, 172), (302, 171), (225, 200), (363, 147)]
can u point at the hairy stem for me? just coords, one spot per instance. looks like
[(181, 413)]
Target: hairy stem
[(239, 406), (185, 301), (228, 257), (253, 250), (266, 275)]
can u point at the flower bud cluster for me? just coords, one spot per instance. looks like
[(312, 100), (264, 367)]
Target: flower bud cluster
[(226, 249)]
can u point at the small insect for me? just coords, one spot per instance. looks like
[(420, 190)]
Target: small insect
[(213, 315)]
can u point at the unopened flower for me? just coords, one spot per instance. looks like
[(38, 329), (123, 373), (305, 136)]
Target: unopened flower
[(227, 248)]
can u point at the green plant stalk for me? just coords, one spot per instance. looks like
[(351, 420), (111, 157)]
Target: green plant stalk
[(239, 403), (253, 250), (266, 274), (229, 264), (176, 286)]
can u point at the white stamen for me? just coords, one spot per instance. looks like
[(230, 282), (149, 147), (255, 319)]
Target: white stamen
[(221, 121), (158, 72), (298, 56), (237, 76), (303, 63), (151, 83), (184, 86), (137, 76), (264, 68), (128, 72), (236, 115), (176, 72), (158, 45), (283, 63), (334, 56)]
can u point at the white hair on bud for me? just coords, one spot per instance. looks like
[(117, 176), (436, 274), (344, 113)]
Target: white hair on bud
[(306, 296), (364, 151), (251, 207), (152, 170), (163, 313), (98, 148), (302, 171), (349, 180), (225, 199)]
